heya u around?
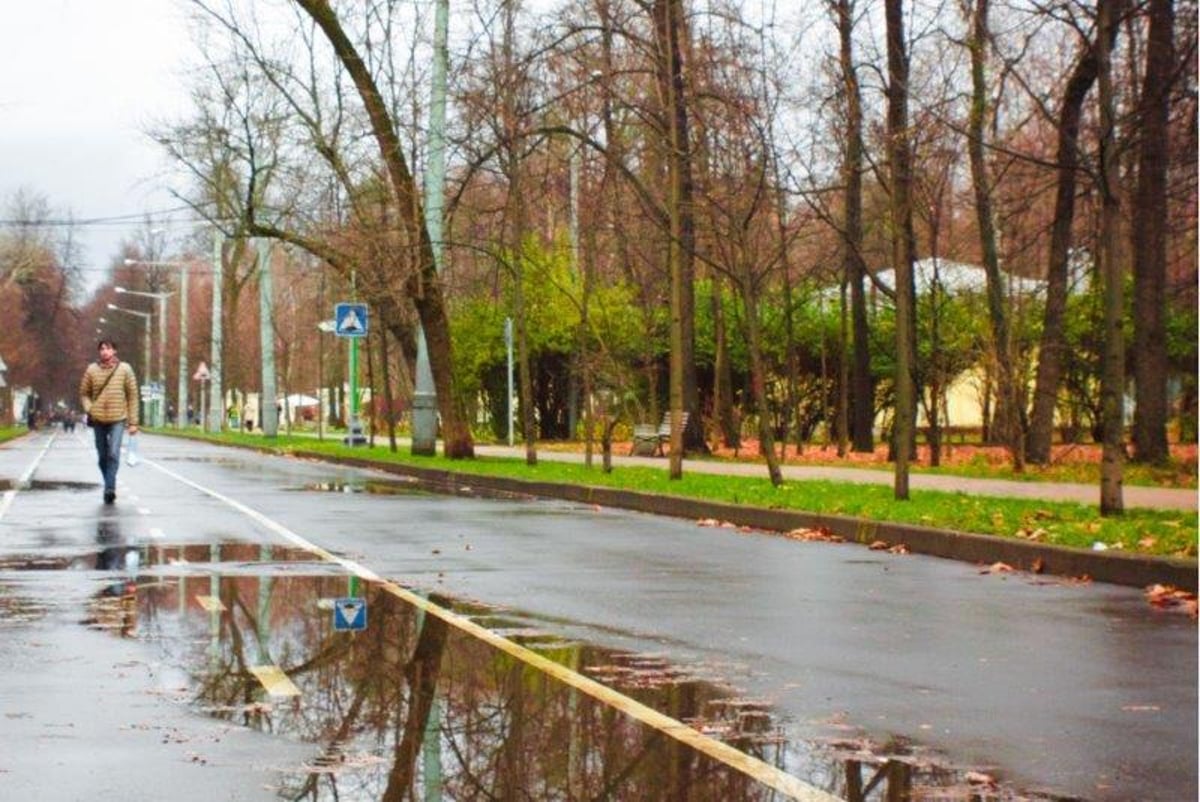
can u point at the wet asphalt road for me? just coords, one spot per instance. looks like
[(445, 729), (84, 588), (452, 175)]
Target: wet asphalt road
[(1068, 690)]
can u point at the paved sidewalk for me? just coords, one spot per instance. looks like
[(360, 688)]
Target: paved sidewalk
[(1166, 498)]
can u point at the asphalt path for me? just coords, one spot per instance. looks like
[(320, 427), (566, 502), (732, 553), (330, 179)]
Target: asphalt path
[(1070, 690)]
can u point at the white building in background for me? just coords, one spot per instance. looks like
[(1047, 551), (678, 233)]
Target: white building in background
[(965, 392)]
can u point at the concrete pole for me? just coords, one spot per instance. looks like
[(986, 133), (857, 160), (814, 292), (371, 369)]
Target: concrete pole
[(181, 402), (160, 417), (216, 401), (148, 404), (424, 414), (268, 416)]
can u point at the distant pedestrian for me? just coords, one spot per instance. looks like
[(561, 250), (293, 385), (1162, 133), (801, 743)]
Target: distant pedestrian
[(108, 393)]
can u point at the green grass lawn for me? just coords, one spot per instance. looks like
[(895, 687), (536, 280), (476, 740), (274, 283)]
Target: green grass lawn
[(1172, 532), (9, 432)]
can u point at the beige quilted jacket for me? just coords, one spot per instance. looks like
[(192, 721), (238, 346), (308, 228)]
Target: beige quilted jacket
[(118, 401)]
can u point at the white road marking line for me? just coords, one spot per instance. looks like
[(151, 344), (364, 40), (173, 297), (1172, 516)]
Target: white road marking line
[(23, 482), (760, 770)]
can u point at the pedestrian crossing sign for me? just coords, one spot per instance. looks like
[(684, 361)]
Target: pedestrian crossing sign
[(350, 614), (350, 320)]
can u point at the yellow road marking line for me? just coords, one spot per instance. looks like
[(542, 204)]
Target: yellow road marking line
[(211, 603), (275, 681), (759, 770)]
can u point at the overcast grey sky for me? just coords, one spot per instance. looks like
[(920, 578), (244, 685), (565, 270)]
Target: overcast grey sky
[(80, 80)]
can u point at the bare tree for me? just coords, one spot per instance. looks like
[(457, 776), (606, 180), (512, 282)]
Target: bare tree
[(903, 241), (1053, 343), (423, 284), (1010, 407), (861, 389)]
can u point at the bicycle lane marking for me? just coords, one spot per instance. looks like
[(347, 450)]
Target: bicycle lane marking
[(759, 770), (23, 482)]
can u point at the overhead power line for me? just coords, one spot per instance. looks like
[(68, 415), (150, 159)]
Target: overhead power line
[(124, 219)]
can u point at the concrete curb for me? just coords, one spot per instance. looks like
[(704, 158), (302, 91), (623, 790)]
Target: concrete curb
[(1134, 570)]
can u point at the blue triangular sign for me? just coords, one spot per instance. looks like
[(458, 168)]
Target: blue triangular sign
[(350, 614)]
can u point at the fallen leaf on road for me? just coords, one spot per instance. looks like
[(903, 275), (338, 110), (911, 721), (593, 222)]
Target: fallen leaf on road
[(1169, 597), (878, 545), (899, 548), (1038, 566), (979, 778), (815, 535), (998, 568), (1141, 708)]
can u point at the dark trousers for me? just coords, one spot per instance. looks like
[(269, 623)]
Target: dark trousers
[(108, 449)]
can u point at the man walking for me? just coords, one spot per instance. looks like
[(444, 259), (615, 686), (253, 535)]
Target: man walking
[(108, 393)]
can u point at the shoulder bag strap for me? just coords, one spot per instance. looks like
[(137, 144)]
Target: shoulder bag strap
[(106, 381)]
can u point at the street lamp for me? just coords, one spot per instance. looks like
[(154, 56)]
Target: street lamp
[(181, 399), (161, 297), (145, 316)]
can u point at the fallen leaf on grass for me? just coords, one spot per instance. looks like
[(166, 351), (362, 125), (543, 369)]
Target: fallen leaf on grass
[(1147, 542)]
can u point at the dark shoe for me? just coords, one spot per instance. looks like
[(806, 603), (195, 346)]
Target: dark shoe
[(110, 496)]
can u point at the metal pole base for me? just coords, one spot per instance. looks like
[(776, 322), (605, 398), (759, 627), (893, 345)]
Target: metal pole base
[(355, 436), (424, 424)]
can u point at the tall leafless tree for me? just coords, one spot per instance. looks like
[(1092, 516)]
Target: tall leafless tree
[(1150, 221)]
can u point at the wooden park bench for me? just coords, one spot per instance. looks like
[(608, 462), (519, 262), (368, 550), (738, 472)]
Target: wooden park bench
[(649, 441)]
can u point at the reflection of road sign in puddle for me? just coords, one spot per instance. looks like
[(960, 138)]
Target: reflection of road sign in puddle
[(350, 614), (275, 681)]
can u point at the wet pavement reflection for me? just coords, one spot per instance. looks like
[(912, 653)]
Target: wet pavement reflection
[(413, 708)]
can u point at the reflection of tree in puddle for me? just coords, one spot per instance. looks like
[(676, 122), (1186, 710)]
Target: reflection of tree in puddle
[(415, 709)]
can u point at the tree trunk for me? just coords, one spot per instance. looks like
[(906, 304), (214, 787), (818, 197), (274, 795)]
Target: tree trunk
[(1150, 240), (668, 26), (843, 403), (903, 241), (722, 373), (1009, 426), (758, 382), (1112, 378), (1053, 345), (862, 389)]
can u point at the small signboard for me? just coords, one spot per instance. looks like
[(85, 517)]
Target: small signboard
[(350, 320), (350, 614), (201, 374)]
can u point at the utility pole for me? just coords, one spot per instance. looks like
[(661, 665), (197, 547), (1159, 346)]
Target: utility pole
[(216, 400), (182, 419), (424, 413), (268, 416)]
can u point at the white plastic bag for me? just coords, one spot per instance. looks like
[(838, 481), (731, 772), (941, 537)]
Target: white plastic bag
[(131, 453)]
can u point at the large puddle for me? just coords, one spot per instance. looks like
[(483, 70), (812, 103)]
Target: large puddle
[(414, 708)]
